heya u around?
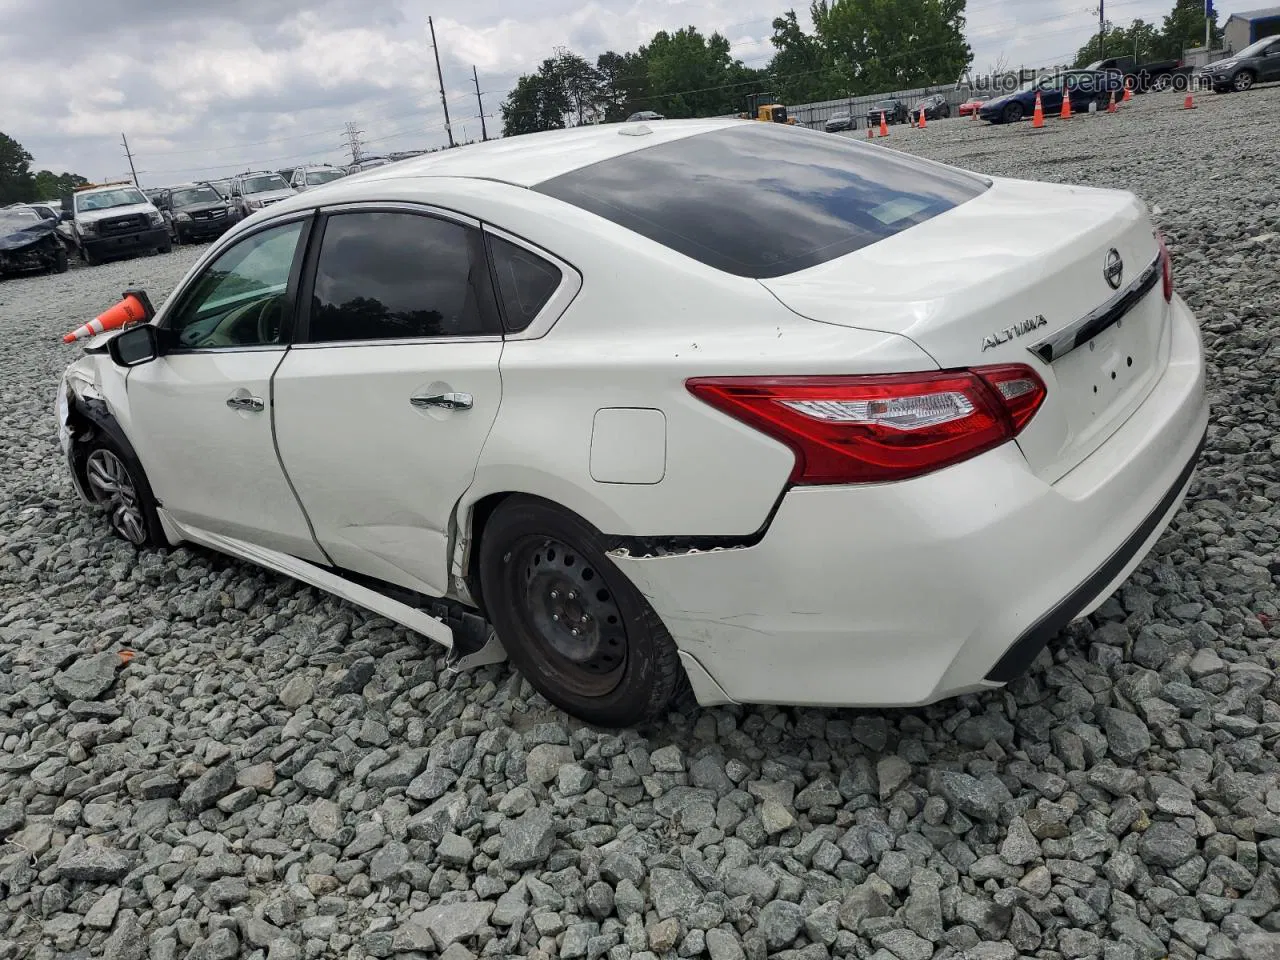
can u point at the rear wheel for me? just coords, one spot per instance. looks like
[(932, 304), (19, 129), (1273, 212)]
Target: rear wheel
[(1162, 82), (1243, 81), (573, 625), (1013, 112), (115, 481)]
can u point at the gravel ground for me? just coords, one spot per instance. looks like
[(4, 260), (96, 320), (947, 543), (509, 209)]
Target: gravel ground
[(275, 774)]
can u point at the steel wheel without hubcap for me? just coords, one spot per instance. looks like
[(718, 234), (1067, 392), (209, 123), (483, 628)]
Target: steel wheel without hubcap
[(570, 614), (1243, 81), (110, 485)]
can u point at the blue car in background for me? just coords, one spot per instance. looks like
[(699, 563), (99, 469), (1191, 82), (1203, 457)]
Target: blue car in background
[(1083, 86)]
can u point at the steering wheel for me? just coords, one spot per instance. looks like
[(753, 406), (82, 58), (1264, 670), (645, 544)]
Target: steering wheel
[(269, 316)]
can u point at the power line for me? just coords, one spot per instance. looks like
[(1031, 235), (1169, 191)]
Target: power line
[(353, 142)]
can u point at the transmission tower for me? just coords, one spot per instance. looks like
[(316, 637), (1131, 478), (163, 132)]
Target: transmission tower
[(354, 143)]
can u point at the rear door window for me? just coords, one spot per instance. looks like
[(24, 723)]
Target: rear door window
[(760, 200)]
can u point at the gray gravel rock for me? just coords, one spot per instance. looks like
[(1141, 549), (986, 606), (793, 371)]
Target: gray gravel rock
[(278, 775)]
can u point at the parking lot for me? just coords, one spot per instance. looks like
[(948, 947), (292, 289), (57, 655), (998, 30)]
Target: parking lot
[(199, 758)]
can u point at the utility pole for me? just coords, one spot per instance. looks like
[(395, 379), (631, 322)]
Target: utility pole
[(484, 133), (124, 142), (353, 142), (444, 102), (1102, 29)]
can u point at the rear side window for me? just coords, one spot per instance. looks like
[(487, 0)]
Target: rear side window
[(395, 276), (762, 200), (525, 282)]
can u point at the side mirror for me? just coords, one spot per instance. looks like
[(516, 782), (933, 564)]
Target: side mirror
[(135, 346), (66, 215)]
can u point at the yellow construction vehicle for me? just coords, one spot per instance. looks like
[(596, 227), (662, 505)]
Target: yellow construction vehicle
[(760, 106)]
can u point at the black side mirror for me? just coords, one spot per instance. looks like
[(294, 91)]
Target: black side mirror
[(66, 215), (135, 346)]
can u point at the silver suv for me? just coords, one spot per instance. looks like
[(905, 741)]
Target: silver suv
[(305, 177), (250, 192)]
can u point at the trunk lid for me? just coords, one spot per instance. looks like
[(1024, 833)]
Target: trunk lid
[(1017, 267)]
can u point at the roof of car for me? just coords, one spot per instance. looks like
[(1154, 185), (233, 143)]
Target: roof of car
[(533, 158)]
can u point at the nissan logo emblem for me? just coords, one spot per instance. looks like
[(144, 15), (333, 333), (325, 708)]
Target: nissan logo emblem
[(1113, 269)]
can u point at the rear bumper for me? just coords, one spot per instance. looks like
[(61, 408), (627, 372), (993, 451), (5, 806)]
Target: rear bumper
[(126, 243), (902, 594)]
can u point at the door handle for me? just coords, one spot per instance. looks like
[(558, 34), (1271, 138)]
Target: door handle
[(446, 401), (248, 404)]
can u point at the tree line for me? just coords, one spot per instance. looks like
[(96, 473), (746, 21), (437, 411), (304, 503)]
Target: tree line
[(1183, 28), (856, 47), (18, 184)]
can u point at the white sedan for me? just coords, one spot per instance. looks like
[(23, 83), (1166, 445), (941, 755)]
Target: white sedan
[(778, 415)]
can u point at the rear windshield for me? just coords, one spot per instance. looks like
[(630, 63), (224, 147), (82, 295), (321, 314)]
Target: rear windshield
[(762, 200)]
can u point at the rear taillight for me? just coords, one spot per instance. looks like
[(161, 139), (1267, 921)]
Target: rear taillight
[(1166, 268), (881, 428)]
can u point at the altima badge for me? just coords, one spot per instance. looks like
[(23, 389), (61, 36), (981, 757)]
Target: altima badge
[(1020, 329)]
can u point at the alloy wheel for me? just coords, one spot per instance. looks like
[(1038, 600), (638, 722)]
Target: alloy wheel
[(1243, 81), (110, 485), (570, 614)]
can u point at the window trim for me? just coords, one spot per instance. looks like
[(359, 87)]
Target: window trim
[(302, 326), (288, 325), (559, 301)]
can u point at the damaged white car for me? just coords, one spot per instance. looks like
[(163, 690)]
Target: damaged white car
[(768, 413)]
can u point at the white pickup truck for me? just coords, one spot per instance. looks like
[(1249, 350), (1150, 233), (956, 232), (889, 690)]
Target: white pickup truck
[(113, 221)]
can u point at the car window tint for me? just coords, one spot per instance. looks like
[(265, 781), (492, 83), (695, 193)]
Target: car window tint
[(525, 282), (383, 276), (761, 200), (241, 298)]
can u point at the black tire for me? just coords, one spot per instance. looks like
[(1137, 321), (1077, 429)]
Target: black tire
[(166, 248), (1162, 82), (623, 669), (946, 112), (87, 256), (60, 263), (131, 507), (1013, 112), (1243, 81)]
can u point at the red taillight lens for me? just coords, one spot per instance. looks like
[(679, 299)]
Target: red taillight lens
[(882, 428), (1166, 268)]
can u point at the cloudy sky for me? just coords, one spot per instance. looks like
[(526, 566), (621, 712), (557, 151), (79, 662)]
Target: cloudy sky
[(205, 88)]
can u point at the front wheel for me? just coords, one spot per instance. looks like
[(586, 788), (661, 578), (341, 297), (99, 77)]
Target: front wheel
[(87, 256), (165, 248), (115, 481), (1162, 82), (1243, 81), (571, 622), (1013, 112), (60, 263)]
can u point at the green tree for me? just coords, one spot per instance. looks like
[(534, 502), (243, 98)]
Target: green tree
[(802, 70), (16, 182), (1184, 28), (624, 84), (693, 76), (55, 186), (538, 102), (1140, 40)]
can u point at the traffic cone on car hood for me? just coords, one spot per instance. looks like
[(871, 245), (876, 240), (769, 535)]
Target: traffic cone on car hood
[(1037, 118), (132, 309), (884, 125)]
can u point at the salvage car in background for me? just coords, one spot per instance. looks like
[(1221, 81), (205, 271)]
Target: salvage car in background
[(251, 192), (935, 107), (972, 105), (838, 122), (29, 243), (1257, 63), (893, 111), (196, 213), (306, 177), (1084, 87), (114, 220), (642, 431)]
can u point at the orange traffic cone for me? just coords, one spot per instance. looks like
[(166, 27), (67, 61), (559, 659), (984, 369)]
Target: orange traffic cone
[(1066, 106), (1037, 118), (884, 125), (1111, 107), (1189, 103), (924, 121), (129, 310), (871, 132), (1128, 93)]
